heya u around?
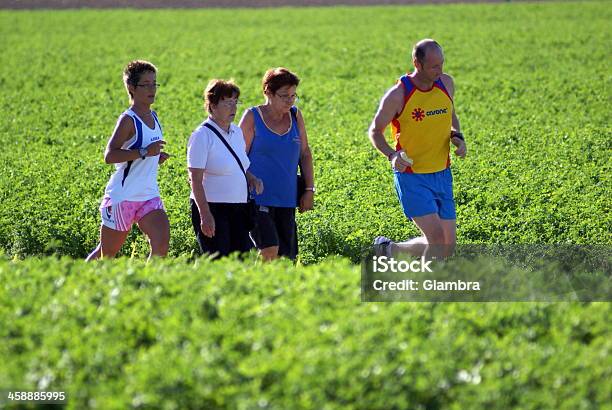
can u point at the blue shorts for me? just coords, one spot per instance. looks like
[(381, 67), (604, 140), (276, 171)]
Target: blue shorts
[(423, 194)]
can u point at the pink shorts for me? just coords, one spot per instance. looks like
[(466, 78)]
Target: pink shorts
[(121, 217)]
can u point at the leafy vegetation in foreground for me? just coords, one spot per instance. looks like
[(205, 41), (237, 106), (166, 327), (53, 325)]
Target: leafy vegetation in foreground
[(532, 94), (178, 334)]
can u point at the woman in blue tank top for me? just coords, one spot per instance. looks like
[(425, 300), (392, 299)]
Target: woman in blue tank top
[(276, 142)]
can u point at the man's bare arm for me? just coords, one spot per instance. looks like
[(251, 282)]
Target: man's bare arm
[(461, 150), (390, 105)]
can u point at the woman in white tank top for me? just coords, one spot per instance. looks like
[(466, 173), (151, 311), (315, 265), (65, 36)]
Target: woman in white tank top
[(135, 148)]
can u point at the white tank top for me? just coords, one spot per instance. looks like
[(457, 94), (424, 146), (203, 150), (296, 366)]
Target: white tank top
[(136, 180)]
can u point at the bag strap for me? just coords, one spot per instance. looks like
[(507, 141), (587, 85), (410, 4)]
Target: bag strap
[(293, 111), (229, 148)]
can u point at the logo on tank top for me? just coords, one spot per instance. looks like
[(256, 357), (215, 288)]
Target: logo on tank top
[(418, 114)]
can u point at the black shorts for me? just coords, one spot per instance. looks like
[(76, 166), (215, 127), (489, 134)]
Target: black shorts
[(231, 229), (275, 226)]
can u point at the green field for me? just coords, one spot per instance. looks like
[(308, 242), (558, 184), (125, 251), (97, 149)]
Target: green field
[(533, 95)]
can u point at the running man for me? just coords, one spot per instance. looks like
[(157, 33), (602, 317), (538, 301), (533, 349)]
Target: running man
[(421, 112)]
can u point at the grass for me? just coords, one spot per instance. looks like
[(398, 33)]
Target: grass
[(532, 93)]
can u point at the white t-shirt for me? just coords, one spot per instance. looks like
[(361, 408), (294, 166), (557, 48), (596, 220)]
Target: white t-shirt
[(223, 180)]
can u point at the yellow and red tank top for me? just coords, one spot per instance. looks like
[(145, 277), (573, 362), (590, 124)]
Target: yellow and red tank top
[(422, 128)]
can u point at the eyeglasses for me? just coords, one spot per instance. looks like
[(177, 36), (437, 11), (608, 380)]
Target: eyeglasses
[(149, 86), (293, 97), (230, 103)]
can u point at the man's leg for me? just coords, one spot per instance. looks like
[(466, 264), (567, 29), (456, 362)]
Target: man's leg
[(431, 227), (438, 226), (420, 194), (439, 238), (447, 211), (419, 204), (449, 226)]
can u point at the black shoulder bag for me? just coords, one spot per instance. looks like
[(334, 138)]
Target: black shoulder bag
[(250, 205)]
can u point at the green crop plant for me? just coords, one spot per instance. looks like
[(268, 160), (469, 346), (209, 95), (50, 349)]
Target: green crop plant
[(233, 334)]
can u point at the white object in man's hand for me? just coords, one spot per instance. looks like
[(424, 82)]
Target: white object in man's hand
[(400, 161), (405, 157)]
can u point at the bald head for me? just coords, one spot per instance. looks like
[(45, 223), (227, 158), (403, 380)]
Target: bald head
[(423, 47)]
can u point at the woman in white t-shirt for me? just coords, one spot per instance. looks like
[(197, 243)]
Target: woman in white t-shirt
[(220, 183), (132, 195)]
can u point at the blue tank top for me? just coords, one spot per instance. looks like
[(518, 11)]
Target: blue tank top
[(274, 159)]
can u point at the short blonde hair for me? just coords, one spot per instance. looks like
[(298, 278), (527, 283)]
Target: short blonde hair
[(134, 70)]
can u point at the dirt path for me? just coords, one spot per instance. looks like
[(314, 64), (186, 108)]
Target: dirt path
[(64, 4)]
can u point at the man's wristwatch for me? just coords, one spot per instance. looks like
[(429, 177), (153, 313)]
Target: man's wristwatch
[(311, 188), (457, 134), (143, 152)]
